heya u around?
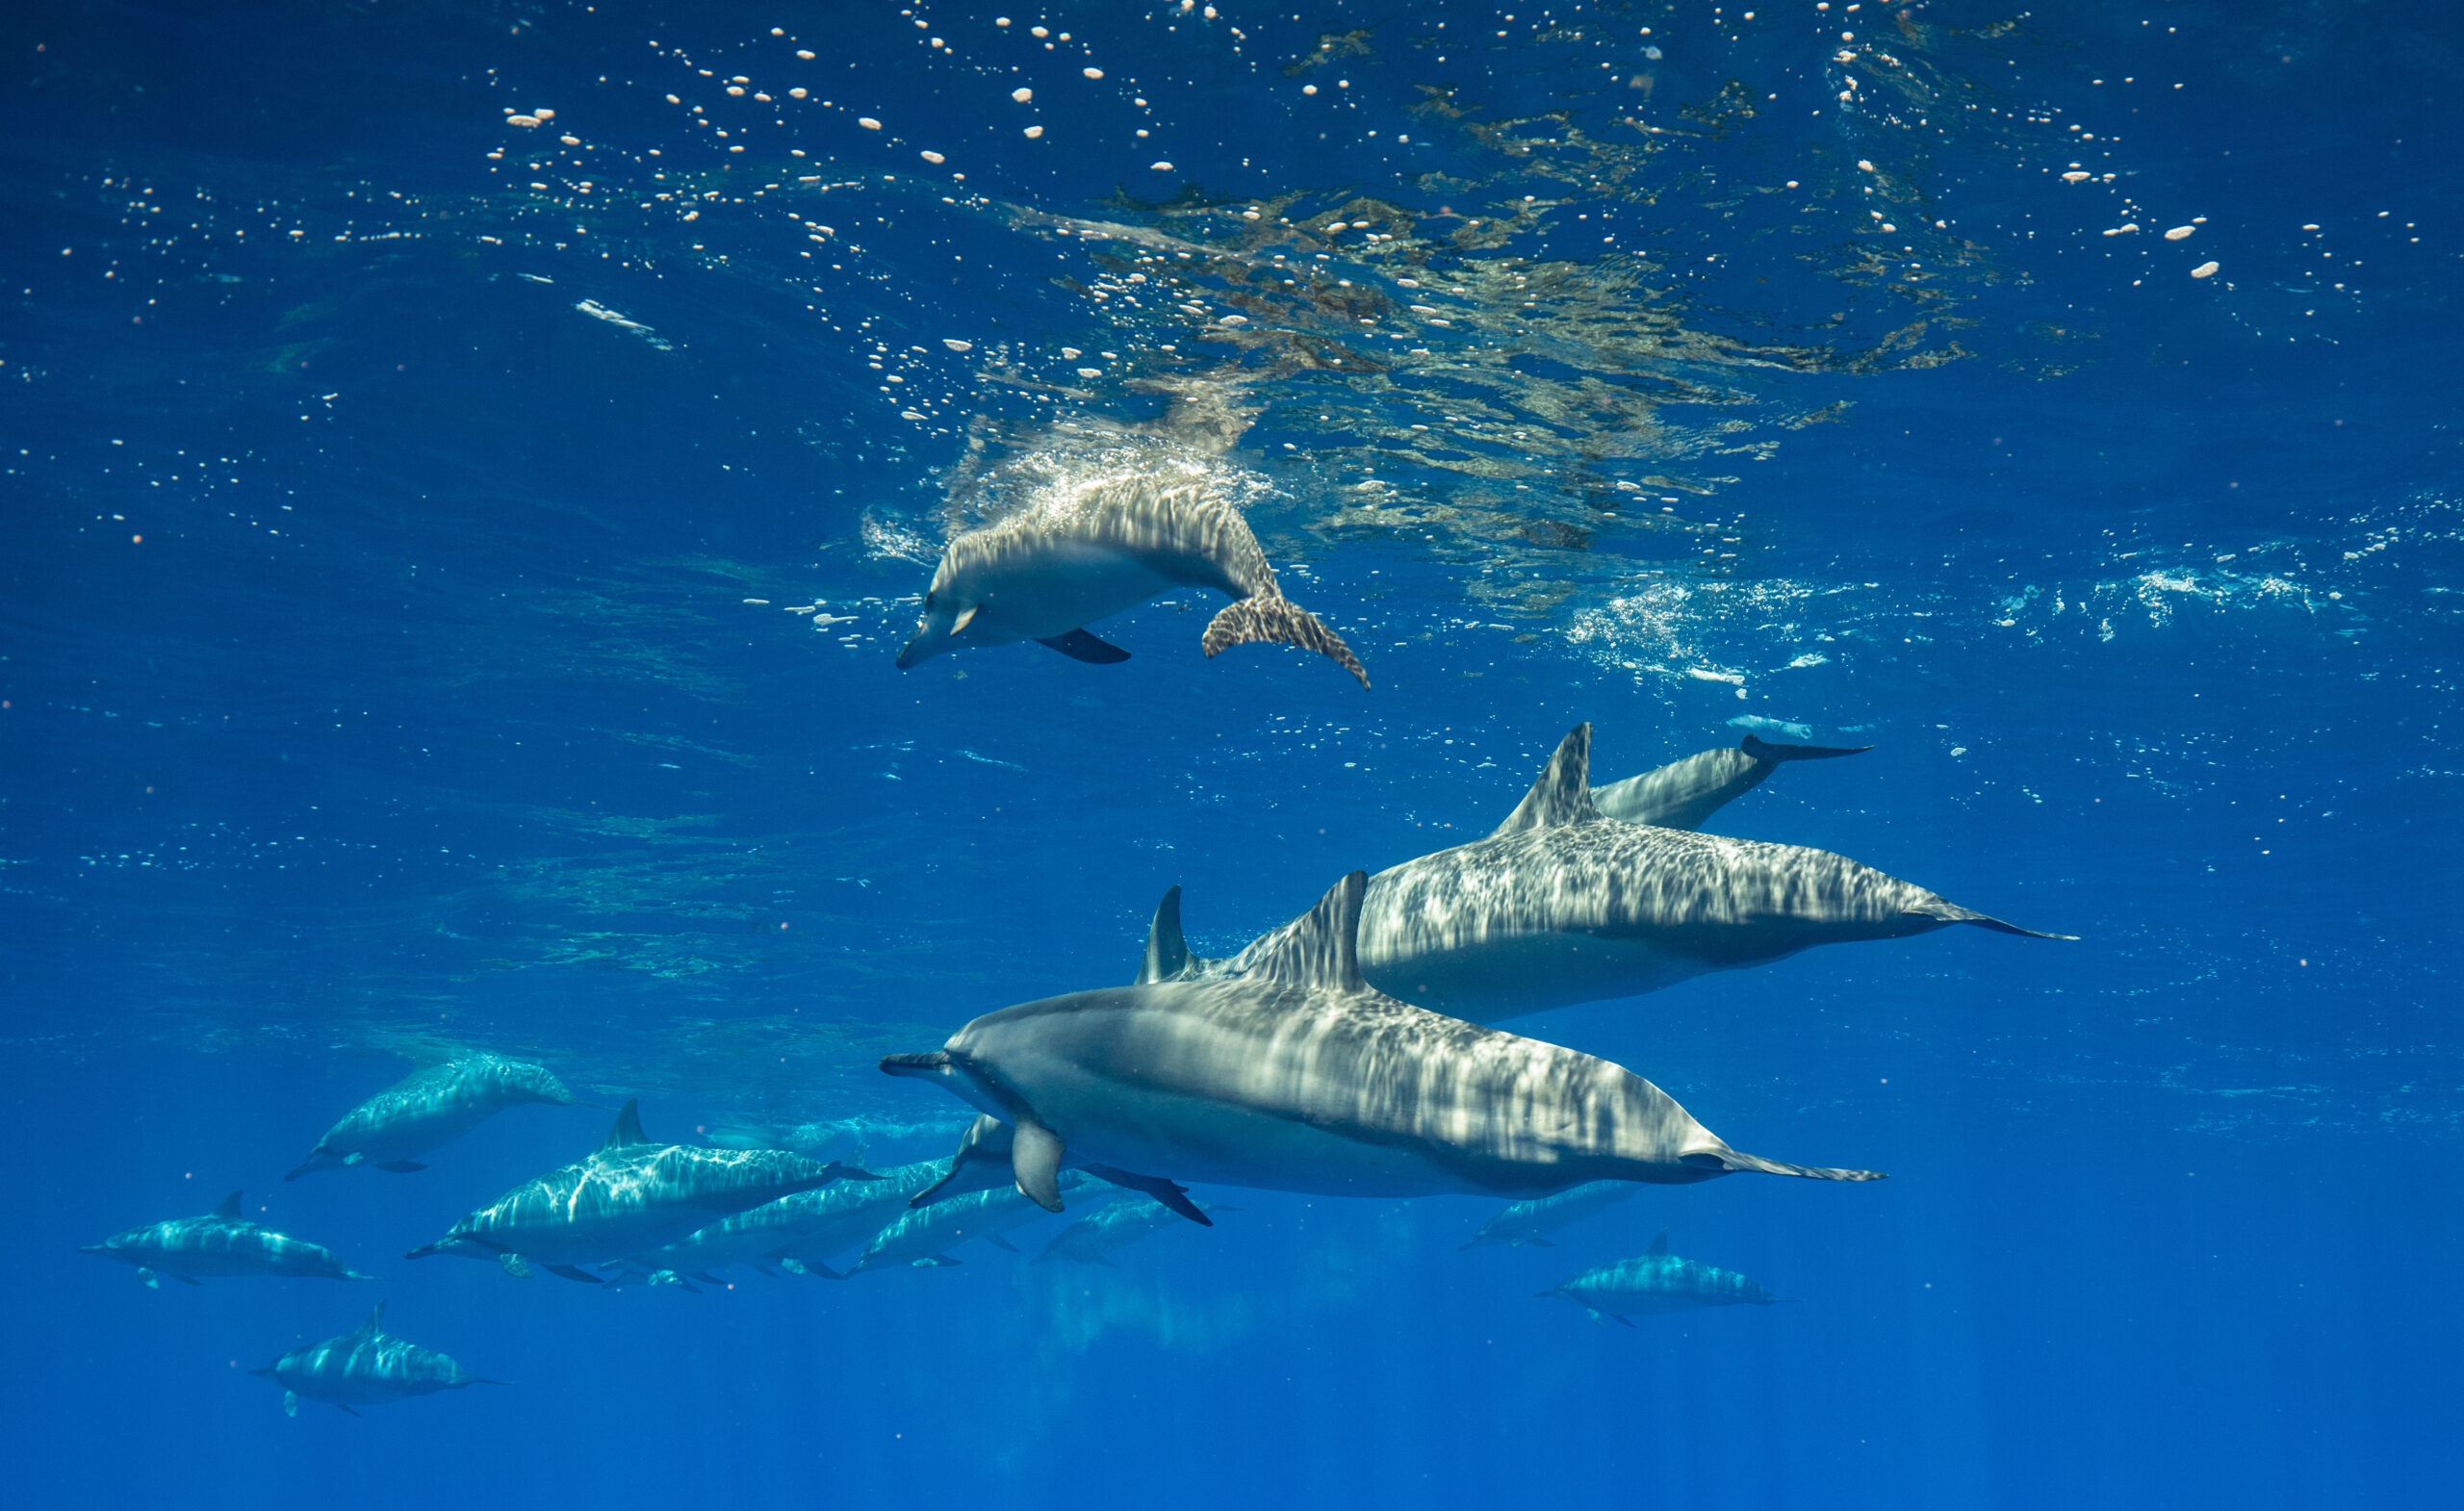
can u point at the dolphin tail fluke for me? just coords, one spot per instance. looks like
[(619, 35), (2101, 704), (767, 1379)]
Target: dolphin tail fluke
[(1952, 913), (1764, 750), (1730, 1161), (1278, 618)]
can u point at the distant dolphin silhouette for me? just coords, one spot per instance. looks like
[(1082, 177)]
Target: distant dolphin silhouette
[(1656, 1284), (363, 1368), (1077, 554), (221, 1243), (430, 1109)]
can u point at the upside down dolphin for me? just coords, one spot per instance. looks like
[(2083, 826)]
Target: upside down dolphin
[(1564, 904), (430, 1109), (221, 1243), (1094, 547), (630, 1196), (363, 1368), (1299, 1076)]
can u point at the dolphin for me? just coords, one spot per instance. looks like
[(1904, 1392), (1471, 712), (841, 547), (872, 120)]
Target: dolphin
[(221, 1243), (1099, 545), (1299, 1076), (365, 1367), (831, 1222), (1658, 1282), (1564, 904), (630, 1196), (982, 1162), (749, 1237), (430, 1109), (923, 1237), (1684, 793), (1122, 1222), (1528, 1223)]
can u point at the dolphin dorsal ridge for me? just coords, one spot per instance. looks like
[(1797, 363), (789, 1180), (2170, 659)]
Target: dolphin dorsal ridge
[(1659, 1245), (628, 1127), (1168, 953), (1318, 948), (375, 1323), (1563, 793), (229, 1208)]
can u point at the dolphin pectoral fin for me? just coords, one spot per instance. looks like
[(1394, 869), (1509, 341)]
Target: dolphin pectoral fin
[(513, 1264), (1035, 1157), (570, 1273), (1171, 1195), (793, 1266), (148, 1277), (353, 1158), (1764, 750), (1730, 1161), (1278, 618), (1623, 1321), (931, 1262), (966, 617), (1001, 1243), (291, 1403), (1080, 646), (401, 1167)]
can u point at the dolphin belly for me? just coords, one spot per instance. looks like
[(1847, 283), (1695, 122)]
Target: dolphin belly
[(1064, 586), (1507, 978)]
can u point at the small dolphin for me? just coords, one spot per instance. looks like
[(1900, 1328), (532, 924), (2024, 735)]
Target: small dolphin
[(982, 1162), (1684, 793), (923, 1237), (221, 1243), (831, 1221), (430, 1109), (366, 1367), (1121, 1222), (1297, 1076), (1528, 1223), (1103, 545), (630, 1196), (1658, 1282)]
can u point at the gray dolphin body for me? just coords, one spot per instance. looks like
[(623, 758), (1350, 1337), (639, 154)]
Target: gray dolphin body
[(218, 1245), (844, 1218), (1656, 1284), (630, 1196), (1082, 551), (922, 1237), (1123, 1222), (1563, 905), (982, 1162), (365, 1367), (1299, 1076), (1526, 1224), (430, 1109), (758, 1237), (1684, 793)]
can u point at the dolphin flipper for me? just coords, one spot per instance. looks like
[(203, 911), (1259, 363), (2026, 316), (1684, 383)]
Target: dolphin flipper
[(1035, 1157), (340, 1407), (1275, 617), (1080, 646)]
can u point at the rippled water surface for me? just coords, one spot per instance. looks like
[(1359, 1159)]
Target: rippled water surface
[(469, 467)]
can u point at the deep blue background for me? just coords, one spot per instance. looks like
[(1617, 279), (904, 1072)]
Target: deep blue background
[(436, 715)]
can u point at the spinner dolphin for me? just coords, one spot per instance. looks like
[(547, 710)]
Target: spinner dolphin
[(365, 1367), (428, 1109), (221, 1243)]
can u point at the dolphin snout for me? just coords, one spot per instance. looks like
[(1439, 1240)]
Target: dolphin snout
[(934, 1064), (923, 648)]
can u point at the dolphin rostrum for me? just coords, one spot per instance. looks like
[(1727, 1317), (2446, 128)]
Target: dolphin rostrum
[(922, 1237), (221, 1243), (1122, 1222), (365, 1367), (1528, 1223), (982, 1162), (630, 1196), (1564, 904), (430, 1109), (1658, 1282), (1299, 1076), (1082, 551)]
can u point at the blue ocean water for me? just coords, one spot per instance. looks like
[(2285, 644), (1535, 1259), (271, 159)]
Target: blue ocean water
[(469, 470)]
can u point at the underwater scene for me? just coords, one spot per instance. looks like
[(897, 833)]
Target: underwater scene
[(1161, 752)]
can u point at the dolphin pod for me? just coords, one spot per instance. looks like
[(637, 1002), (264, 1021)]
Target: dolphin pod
[(1103, 545), (1563, 903), (364, 1367), (630, 1196), (1299, 1076), (1658, 1282), (221, 1243), (430, 1109)]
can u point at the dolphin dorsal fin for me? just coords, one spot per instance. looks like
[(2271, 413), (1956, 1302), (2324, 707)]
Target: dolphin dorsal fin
[(1563, 793), (375, 1323), (230, 1206), (1317, 948), (1659, 1245), (629, 1126), (1167, 953)]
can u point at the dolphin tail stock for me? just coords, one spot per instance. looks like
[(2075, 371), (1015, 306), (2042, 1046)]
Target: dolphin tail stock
[(1271, 616), (1730, 1162), (1170, 1193), (1763, 750), (1952, 913)]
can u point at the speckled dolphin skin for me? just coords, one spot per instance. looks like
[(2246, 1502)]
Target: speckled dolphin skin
[(1299, 1076), (630, 1196), (1082, 551), (430, 1109), (1656, 1284), (365, 1367), (219, 1244)]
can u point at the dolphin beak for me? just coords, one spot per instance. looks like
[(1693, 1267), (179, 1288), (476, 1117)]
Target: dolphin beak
[(936, 1063), (923, 648), (94, 1248)]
